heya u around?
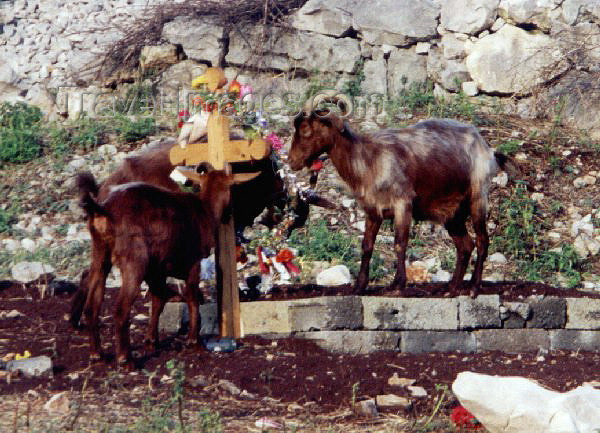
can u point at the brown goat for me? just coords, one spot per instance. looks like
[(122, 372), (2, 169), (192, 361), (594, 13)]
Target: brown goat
[(149, 233), (437, 170)]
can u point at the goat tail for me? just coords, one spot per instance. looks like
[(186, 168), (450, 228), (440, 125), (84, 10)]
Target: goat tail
[(88, 189)]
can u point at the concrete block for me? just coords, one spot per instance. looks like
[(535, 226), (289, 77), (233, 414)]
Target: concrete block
[(410, 313), (326, 313), (481, 312), (173, 318), (265, 317), (583, 313), (512, 340), (514, 314), (355, 342), (548, 313), (572, 339), (441, 341)]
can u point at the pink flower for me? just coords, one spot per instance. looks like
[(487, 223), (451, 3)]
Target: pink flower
[(274, 141), (464, 419), (245, 89)]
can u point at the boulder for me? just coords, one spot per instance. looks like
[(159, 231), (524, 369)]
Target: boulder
[(468, 16), (513, 60), (285, 50), (396, 22), (527, 12), (27, 272), (450, 74), (574, 10), (375, 77), (58, 404), (334, 276), (519, 405), (200, 39), (158, 56), (327, 17), (405, 66)]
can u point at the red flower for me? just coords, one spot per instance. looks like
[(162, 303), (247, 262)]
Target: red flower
[(284, 256), (462, 418), (317, 165), (235, 87), (180, 124)]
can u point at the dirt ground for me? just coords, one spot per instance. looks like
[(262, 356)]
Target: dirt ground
[(290, 381)]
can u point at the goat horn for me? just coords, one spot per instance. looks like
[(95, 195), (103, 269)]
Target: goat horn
[(332, 96)]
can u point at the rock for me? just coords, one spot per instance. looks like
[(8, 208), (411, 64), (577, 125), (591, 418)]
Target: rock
[(13, 314), (28, 244), (474, 15), (417, 391), (158, 56), (40, 97), (367, 408), (584, 225), (229, 386), (174, 316), (537, 196), (375, 77), (441, 276), (453, 47), (405, 66), (360, 226), (31, 367), (176, 80), (422, 47), (107, 150), (447, 73), (27, 272), (8, 82), (585, 245), (392, 400), (469, 88), (527, 12), (498, 258), (395, 380), (521, 405), (574, 9), (200, 39), (307, 51), (584, 181), (58, 404), (327, 17), (11, 245), (513, 60), (395, 22), (334, 276)]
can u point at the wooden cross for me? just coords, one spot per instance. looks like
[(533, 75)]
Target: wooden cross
[(219, 152)]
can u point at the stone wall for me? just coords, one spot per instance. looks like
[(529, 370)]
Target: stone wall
[(538, 50), (417, 325)]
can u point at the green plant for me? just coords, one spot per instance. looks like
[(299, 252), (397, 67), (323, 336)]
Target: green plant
[(318, 242), (521, 240), (131, 130), (354, 395), (509, 147), (353, 86), (8, 217), (21, 132)]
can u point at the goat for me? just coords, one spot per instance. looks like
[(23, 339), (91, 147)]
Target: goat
[(438, 170), (150, 233)]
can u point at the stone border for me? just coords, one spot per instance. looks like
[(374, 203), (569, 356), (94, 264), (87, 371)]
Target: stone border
[(417, 325)]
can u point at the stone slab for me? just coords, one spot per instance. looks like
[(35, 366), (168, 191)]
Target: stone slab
[(512, 340), (481, 312), (548, 313), (572, 339), (410, 313), (265, 317), (416, 342), (583, 313), (173, 317), (326, 313), (355, 342)]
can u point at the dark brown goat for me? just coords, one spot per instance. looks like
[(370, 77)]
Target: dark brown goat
[(149, 233), (437, 170)]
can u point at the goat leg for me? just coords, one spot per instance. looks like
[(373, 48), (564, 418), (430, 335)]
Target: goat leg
[(372, 224), (193, 296), (402, 220), (482, 241), (464, 247), (127, 295)]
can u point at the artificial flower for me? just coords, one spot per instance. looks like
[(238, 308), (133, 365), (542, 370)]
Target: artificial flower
[(274, 141), (462, 418)]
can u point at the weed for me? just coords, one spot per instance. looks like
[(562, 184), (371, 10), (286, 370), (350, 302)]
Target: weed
[(509, 147), (8, 217), (353, 86), (354, 395), (322, 244), (521, 226), (21, 132), (132, 130)]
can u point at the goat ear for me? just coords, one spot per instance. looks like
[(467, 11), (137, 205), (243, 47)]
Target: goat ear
[(194, 176), (243, 177)]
